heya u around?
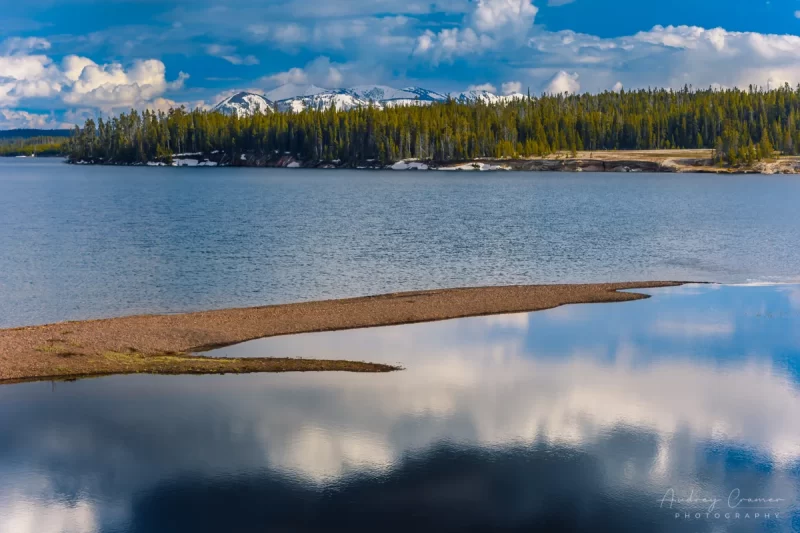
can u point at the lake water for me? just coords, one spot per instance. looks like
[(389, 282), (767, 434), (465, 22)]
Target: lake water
[(581, 418), (81, 241)]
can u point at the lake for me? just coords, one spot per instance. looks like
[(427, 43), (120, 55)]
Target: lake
[(89, 241), (603, 417)]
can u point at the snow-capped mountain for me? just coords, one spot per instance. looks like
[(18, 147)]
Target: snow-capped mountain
[(486, 97), (291, 90), (342, 99), (244, 104), (296, 98)]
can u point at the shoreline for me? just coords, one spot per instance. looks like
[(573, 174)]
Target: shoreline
[(165, 344), (651, 161)]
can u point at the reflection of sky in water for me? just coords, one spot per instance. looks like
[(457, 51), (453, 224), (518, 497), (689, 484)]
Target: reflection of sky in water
[(580, 417)]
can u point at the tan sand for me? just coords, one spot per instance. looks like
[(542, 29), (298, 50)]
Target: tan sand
[(163, 344)]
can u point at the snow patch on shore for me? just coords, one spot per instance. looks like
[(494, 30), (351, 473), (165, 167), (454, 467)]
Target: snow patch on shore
[(293, 164), (478, 167), (409, 165)]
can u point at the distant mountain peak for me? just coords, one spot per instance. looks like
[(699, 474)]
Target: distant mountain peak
[(297, 98), (244, 104)]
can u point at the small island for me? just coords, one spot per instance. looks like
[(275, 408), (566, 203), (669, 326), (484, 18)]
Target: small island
[(168, 344)]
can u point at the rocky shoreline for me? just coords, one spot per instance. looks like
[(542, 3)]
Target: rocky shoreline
[(650, 161)]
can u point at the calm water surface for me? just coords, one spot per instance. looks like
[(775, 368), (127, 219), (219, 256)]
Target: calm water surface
[(581, 418), (79, 242)]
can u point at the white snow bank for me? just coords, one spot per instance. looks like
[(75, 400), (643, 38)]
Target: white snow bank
[(409, 165), (480, 167), (293, 164), (184, 162)]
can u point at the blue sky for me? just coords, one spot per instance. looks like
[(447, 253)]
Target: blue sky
[(62, 61)]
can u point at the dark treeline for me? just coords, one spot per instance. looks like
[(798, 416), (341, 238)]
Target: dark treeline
[(741, 125), (42, 146)]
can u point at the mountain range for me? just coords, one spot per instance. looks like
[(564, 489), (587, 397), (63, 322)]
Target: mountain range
[(296, 98)]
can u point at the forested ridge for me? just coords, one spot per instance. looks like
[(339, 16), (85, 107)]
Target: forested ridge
[(741, 125), (41, 145)]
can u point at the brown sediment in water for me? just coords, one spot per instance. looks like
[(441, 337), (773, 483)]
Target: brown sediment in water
[(163, 344)]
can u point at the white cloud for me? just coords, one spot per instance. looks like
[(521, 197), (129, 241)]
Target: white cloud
[(13, 119), (491, 23), (617, 87), (77, 80), (228, 53), (494, 16), (511, 87), (483, 87), (450, 43), (290, 34), (670, 56), (557, 3), (797, 14), (111, 86), (563, 82), (321, 71), (26, 75), (15, 45)]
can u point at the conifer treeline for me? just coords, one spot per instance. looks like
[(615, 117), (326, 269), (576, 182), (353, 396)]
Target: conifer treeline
[(741, 125), (41, 145)]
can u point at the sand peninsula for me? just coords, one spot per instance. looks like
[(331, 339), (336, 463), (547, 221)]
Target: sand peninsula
[(168, 344)]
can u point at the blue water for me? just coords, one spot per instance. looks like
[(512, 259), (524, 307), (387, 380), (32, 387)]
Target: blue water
[(79, 242), (582, 418)]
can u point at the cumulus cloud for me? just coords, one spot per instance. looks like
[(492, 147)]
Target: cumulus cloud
[(511, 87), (26, 74), (617, 87), (563, 82), (492, 22), (515, 16), (111, 86)]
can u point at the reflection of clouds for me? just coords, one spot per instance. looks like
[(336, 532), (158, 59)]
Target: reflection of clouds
[(321, 453), (479, 381), (518, 321), (467, 395), (35, 510), (691, 328), (793, 293)]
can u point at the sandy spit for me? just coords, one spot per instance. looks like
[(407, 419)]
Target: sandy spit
[(164, 344)]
